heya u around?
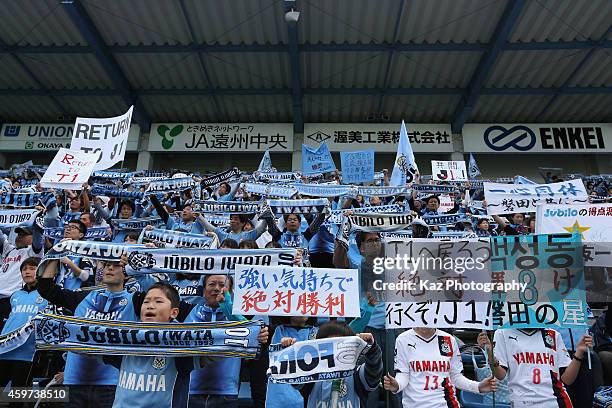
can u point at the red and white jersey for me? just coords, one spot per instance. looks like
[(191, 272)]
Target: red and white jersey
[(429, 364), (533, 362)]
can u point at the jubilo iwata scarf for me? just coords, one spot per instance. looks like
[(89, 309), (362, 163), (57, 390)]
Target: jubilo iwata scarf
[(215, 339)]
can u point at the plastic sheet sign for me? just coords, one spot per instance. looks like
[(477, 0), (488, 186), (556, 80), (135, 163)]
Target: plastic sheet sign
[(448, 170), (357, 167), (69, 169), (552, 267), (105, 137), (297, 291)]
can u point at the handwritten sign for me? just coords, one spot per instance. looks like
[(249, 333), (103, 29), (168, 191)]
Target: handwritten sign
[(69, 169), (511, 198), (316, 161), (448, 170), (552, 267), (357, 166), (296, 291)]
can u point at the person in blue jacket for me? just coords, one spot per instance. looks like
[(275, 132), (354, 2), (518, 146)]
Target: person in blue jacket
[(16, 364)]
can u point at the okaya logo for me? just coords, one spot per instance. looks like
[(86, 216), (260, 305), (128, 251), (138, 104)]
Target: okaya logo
[(168, 134)]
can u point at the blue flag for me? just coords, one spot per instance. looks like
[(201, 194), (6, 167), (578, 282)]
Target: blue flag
[(523, 180), (357, 167), (265, 166), (405, 168), (473, 170), (315, 161)]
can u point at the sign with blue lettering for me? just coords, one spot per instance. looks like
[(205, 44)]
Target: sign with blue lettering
[(357, 167), (523, 198), (552, 266), (574, 138)]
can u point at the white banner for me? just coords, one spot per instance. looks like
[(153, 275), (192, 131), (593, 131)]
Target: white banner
[(448, 170), (577, 138), (69, 169), (379, 137), (221, 137), (315, 360), (45, 137), (467, 315), (12, 218), (592, 221), (524, 198), (297, 291), (105, 137)]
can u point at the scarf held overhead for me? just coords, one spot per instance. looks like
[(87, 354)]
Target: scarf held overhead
[(173, 184), (92, 233), (270, 190), (135, 224), (218, 262), (311, 206), (220, 178), (379, 222), (215, 339), (12, 218), (24, 200), (176, 239), (229, 207)]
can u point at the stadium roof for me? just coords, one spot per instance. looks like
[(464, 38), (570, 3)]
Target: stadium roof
[(451, 61)]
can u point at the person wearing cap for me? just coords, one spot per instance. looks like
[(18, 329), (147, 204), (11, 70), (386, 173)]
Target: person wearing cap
[(29, 243), (91, 383)]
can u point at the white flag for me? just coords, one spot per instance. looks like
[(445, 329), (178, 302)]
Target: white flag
[(405, 168), (473, 170)]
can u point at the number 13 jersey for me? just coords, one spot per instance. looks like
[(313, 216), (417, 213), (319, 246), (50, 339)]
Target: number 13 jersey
[(428, 364)]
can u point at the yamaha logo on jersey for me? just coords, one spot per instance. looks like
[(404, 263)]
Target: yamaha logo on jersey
[(549, 339), (445, 346), (159, 363)]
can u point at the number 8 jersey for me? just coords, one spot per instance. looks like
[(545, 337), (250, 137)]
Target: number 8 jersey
[(533, 359), (425, 367)]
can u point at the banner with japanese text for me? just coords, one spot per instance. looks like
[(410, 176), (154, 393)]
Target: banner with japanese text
[(382, 137), (295, 291), (443, 170), (594, 224), (522, 198), (552, 267), (221, 137), (357, 167)]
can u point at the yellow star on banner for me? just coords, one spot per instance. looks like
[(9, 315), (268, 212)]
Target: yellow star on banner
[(577, 228)]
